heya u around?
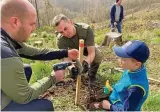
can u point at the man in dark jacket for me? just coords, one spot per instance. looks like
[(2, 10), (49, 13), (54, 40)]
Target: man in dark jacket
[(117, 16), (18, 21)]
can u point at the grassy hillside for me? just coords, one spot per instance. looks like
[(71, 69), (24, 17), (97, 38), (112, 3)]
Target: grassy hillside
[(143, 25)]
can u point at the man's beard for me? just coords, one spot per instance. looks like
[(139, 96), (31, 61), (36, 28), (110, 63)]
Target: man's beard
[(21, 35)]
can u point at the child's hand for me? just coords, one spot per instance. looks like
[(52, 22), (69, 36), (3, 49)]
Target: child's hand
[(106, 104)]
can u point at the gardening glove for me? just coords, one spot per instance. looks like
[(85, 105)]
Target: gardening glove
[(107, 88), (74, 72), (85, 67)]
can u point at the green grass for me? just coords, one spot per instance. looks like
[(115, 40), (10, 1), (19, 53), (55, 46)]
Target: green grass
[(40, 70), (99, 35), (107, 72), (152, 103), (65, 101)]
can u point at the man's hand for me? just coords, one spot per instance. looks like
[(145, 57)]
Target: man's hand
[(85, 67), (73, 54), (106, 104), (115, 23), (59, 75), (74, 72)]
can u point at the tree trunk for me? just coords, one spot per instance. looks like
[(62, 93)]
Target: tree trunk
[(112, 38)]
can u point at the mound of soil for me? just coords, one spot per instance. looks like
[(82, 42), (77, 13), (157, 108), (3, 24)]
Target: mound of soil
[(90, 92)]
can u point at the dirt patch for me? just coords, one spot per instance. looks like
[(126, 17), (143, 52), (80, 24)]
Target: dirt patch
[(89, 92)]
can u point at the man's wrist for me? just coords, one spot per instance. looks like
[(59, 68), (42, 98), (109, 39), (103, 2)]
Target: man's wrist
[(70, 67), (53, 79)]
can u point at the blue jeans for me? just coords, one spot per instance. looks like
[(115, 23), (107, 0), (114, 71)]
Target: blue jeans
[(119, 27), (34, 105)]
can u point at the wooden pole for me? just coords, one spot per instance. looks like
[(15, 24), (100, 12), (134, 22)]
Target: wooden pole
[(78, 84)]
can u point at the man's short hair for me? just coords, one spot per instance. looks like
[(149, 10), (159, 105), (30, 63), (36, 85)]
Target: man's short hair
[(57, 19)]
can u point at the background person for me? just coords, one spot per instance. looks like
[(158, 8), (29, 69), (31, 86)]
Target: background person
[(116, 16)]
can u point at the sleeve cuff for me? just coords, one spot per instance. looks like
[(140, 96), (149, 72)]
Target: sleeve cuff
[(53, 80), (111, 107), (65, 52)]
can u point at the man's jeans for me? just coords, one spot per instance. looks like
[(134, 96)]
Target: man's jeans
[(34, 105), (119, 27)]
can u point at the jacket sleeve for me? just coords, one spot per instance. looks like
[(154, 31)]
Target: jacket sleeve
[(121, 14), (33, 53), (15, 85), (131, 102), (112, 15)]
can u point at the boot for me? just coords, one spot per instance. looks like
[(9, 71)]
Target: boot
[(93, 71)]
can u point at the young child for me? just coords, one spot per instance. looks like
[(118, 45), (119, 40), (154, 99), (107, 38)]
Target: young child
[(131, 91)]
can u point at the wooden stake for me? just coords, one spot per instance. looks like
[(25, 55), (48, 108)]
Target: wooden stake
[(78, 84)]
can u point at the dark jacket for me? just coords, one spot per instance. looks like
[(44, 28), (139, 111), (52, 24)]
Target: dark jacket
[(113, 11)]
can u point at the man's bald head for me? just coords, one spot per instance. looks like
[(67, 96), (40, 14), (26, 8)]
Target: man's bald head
[(18, 19), (15, 8)]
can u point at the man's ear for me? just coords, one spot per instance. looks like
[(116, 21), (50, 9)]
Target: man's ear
[(70, 21), (15, 22)]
